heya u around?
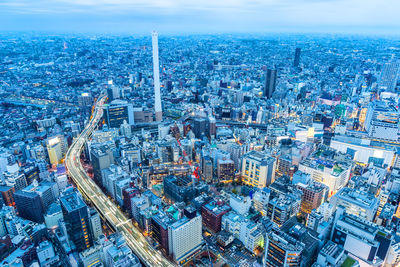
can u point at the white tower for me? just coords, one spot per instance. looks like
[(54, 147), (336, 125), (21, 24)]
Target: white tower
[(156, 74)]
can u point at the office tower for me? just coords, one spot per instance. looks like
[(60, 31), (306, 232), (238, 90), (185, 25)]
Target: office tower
[(236, 152), (200, 126), (212, 126), (270, 83), (7, 193), (297, 53), (159, 230), (331, 173), (382, 121), (95, 224), (85, 100), (101, 158), (111, 176), (54, 150), (179, 189), (53, 216), (156, 73), (46, 254), (368, 242), (225, 170), (356, 202), (282, 250), (212, 213), (206, 169), (247, 231), (282, 208), (76, 218), (117, 112), (125, 129), (389, 76), (113, 92), (185, 236), (29, 205), (258, 169), (314, 194)]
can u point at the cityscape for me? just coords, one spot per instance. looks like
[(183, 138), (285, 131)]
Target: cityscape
[(241, 149)]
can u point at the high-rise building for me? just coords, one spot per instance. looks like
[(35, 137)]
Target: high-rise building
[(389, 76), (156, 73), (117, 112), (76, 218), (382, 121), (282, 250), (314, 194), (296, 60), (247, 231), (200, 126), (7, 193), (101, 158), (185, 236), (29, 205), (356, 202), (225, 170), (54, 149), (368, 242), (159, 230), (258, 169), (270, 83), (212, 213), (53, 216), (282, 208), (95, 224)]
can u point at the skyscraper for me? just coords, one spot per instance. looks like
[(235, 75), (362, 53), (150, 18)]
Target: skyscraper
[(297, 53), (117, 112), (76, 219), (270, 83), (156, 73), (389, 75), (29, 205)]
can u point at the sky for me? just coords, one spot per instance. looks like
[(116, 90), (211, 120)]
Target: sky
[(201, 16)]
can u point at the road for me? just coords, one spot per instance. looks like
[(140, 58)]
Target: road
[(107, 209)]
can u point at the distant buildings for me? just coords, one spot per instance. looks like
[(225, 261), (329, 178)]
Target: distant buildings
[(296, 60)]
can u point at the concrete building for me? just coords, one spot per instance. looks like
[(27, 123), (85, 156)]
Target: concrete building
[(335, 175), (248, 232), (258, 169), (356, 202), (185, 237), (46, 254), (382, 121), (314, 194), (211, 214), (240, 204)]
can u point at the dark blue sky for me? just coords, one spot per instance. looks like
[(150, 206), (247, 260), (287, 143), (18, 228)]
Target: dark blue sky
[(201, 16)]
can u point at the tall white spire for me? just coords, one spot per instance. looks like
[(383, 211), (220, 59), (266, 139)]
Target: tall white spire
[(156, 74)]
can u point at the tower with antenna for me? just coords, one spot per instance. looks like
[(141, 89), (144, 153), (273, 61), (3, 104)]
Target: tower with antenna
[(156, 74)]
